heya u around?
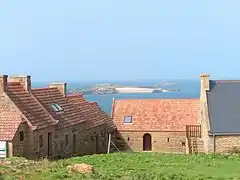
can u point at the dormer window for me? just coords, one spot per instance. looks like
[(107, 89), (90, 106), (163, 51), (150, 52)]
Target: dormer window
[(57, 107)]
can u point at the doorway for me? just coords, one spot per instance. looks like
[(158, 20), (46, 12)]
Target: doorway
[(74, 143), (147, 142), (97, 143), (49, 144)]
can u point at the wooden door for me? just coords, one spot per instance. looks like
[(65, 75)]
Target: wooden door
[(147, 142), (74, 143), (50, 144)]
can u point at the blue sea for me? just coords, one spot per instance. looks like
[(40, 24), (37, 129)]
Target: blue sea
[(188, 89)]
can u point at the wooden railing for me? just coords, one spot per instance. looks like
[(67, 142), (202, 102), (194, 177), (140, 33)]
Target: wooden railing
[(193, 131)]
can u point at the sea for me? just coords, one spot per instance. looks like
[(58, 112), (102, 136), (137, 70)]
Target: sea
[(188, 89)]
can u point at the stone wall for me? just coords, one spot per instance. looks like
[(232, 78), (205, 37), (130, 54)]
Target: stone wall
[(42, 150), (227, 144), (89, 141), (169, 142), (23, 147), (204, 117)]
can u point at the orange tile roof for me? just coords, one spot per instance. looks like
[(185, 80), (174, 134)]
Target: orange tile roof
[(9, 123), (35, 109), (96, 116), (29, 106), (71, 115), (156, 114), (102, 115), (77, 98)]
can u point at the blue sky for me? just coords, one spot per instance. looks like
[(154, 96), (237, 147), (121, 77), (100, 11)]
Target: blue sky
[(78, 40)]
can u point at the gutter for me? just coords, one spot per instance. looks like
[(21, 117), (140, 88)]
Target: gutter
[(214, 141)]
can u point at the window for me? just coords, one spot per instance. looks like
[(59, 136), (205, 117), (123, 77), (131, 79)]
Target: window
[(41, 141), (66, 139), (168, 139), (183, 144), (128, 119), (57, 107), (21, 135)]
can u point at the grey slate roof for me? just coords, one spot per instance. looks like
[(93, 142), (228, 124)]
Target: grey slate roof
[(223, 100)]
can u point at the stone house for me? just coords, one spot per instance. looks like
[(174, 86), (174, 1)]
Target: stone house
[(157, 125), (220, 115), (46, 122), (209, 125)]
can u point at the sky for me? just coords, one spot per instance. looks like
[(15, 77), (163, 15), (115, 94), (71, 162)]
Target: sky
[(88, 40)]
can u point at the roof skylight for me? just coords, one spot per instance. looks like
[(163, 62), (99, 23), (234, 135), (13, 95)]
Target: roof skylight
[(56, 107)]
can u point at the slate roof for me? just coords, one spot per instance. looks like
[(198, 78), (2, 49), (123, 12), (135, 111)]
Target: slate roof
[(156, 114), (223, 100)]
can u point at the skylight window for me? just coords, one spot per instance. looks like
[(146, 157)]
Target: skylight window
[(128, 119), (57, 107)]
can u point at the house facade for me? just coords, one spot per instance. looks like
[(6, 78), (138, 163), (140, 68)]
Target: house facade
[(157, 125), (220, 115), (45, 122), (209, 124)]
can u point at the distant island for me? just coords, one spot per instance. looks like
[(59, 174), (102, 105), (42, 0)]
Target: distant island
[(107, 88)]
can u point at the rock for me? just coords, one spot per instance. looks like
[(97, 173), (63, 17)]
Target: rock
[(82, 168), (5, 163)]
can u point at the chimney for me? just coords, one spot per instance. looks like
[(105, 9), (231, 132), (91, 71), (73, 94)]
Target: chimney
[(62, 87), (3, 84), (25, 81), (205, 84)]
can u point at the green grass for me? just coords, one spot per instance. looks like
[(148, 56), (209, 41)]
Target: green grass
[(130, 166)]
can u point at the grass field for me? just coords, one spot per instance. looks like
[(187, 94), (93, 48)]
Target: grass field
[(130, 166)]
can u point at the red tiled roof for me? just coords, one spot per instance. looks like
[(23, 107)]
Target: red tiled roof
[(71, 114), (156, 114), (35, 108), (77, 98), (96, 116), (29, 106), (102, 115), (9, 123)]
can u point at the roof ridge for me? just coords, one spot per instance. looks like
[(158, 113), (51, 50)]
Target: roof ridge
[(75, 95), (225, 81), (44, 88), (160, 99), (14, 84)]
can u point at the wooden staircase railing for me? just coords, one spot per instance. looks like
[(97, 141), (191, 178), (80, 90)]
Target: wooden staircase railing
[(192, 132)]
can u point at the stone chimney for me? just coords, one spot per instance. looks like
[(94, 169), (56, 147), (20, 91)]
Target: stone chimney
[(62, 87), (25, 81), (3, 84), (205, 84)]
